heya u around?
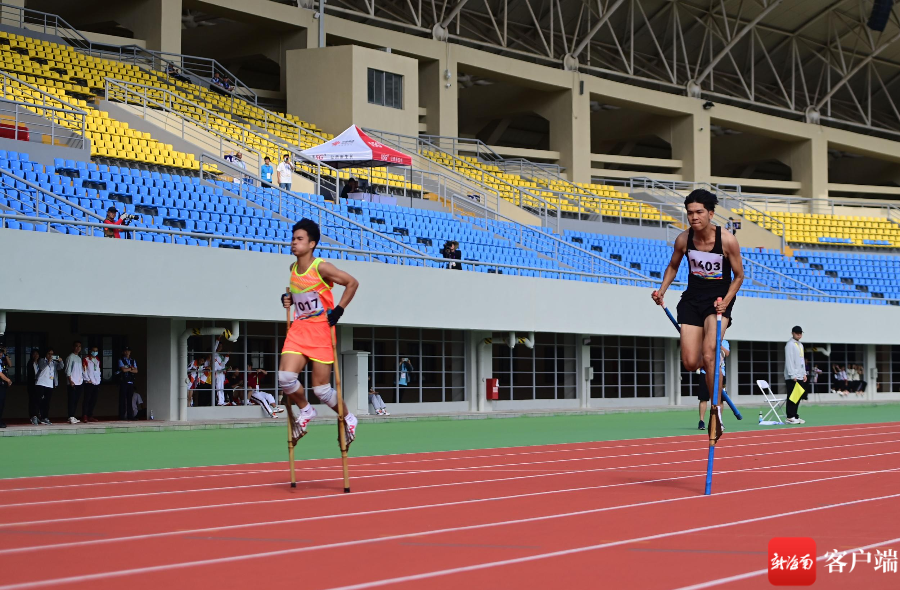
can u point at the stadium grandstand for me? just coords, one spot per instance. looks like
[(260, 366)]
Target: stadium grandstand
[(155, 156)]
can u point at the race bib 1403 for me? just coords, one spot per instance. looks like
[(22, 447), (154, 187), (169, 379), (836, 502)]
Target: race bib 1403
[(705, 265)]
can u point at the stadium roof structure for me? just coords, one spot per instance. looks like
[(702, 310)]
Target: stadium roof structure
[(812, 60)]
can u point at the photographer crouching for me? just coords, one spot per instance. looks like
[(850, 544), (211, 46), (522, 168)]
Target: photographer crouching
[(451, 251), (126, 219)]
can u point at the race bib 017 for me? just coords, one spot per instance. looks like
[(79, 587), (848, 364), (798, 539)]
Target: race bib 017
[(705, 265)]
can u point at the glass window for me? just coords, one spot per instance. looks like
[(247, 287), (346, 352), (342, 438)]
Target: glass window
[(385, 89), (546, 371), (887, 361), (627, 367), (434, 368)]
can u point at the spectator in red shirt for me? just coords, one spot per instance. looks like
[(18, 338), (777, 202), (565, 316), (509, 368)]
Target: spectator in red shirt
[(111, 220)]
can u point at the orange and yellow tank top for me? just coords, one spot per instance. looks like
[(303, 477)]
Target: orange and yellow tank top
[(311, 294)]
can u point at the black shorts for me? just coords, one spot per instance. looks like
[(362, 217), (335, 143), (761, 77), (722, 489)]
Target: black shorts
[(703, 390), (694, 309)]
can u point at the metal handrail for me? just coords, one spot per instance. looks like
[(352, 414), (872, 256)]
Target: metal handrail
[(111, 86), (544, 208), (56, 25), (13, 80), (408, 259), (284, 195), (551, 244), (48, 196)]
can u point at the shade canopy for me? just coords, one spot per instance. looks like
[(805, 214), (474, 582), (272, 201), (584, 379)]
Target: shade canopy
[(353, 148)]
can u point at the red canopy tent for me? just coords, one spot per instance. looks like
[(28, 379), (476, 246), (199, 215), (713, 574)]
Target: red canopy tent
[(354, 149)]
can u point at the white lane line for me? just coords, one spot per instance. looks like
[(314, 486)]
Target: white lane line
[(666, 440), (450, 484), (575, 550), (756, 573), (211, 472), (421, 506), (444, 470)]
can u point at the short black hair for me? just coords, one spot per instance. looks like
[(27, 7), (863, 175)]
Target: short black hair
[(112, 210), (310, 227), (266, 158), (77, 342), (704, 197)]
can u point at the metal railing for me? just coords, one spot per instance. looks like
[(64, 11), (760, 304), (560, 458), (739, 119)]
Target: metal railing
[(48, 107), (481, 180), (195, 123), (518, 234), (348, 231), (200, 69), (38, 200)]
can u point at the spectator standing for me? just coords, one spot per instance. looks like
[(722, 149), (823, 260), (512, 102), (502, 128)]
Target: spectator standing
[(794, 372), (127, 370), (285, 173), (5, 382), (406, 370), (813, 379), (859, 385), (219, 364), (267, 171), (90, 369), (75, 381), (731, 226), (34, 396), (46, 381), (111, 220), (197, 376), (376, 401)]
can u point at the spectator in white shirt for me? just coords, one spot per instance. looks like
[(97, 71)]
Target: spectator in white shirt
[(46, 381), (90, 368), (794, 373), (75, 380), (285, 173), (219, 364)]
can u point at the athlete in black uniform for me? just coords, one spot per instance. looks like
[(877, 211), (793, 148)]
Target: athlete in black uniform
[(713, 257)]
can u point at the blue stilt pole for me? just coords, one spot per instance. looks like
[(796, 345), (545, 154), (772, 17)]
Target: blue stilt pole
[(713, 420)]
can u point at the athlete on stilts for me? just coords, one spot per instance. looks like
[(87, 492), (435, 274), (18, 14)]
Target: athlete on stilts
[(309, 338), (713, 257)]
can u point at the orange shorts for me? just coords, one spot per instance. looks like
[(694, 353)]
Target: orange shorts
[(311, 339)]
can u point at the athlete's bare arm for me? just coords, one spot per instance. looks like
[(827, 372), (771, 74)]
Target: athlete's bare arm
[(333, 274), (732, 251), (672, 269)]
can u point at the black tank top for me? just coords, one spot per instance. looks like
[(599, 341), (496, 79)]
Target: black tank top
[(710, 272)]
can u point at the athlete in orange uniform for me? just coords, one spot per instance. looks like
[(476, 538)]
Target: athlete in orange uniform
[(309, 338)]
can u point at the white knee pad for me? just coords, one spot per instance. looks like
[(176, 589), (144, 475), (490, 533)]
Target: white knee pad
[(288, 382), (326, 394)]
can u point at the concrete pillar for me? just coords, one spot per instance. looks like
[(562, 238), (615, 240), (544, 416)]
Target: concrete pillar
[(438, 94), (162, 367), (810, 168), (355, 380), (870, 361), (582, 370), (158, 22), (482, 358), (731, 371), (673, 371), (569, 114), (691, 144)]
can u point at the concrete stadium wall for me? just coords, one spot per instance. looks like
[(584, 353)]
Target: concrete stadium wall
[(164, 284)]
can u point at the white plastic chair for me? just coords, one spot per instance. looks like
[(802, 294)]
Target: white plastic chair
[(774, 403)]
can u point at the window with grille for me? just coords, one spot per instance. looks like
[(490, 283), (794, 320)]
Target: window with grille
[(546, 371), (628, 366), (385, 89)]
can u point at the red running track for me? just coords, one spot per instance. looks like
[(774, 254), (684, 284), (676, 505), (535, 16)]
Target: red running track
[(622, 514)]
